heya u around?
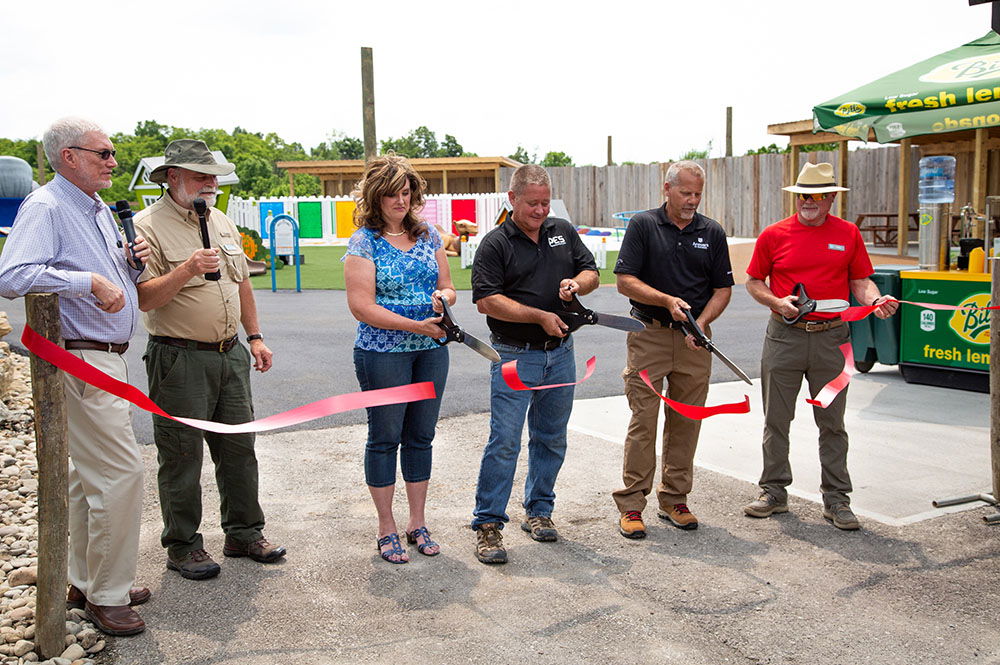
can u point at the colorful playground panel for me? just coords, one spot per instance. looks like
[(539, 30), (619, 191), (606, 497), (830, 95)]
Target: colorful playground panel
[(462, 209), (345, 218), (310, 219)]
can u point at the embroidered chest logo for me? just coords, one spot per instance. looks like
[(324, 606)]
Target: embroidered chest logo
[(701, 244), (555, 241)]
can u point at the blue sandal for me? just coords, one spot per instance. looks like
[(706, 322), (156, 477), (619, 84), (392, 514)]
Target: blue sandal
[(412, 536), (397, 549)]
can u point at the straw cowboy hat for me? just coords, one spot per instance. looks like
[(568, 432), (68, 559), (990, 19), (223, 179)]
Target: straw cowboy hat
[(815, 179), (192, 155)]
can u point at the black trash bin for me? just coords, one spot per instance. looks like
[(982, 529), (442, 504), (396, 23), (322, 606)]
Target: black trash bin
[(874, 339)]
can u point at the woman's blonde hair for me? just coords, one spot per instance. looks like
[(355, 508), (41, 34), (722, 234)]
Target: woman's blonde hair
[(385, 176)]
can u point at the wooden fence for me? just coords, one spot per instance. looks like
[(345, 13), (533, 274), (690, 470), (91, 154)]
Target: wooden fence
[(742, 193)]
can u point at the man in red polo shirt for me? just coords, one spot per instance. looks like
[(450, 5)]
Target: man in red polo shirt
[(828, 256)]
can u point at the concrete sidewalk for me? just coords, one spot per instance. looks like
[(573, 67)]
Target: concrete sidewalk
[(790, 589)]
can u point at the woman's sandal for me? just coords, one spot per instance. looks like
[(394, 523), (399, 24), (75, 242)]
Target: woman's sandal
[(396, 551), (412, 536)]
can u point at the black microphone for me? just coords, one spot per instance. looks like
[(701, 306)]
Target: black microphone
[(125, 216), (201, 209)]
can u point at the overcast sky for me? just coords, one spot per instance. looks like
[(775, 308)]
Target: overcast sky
[(561, 75)]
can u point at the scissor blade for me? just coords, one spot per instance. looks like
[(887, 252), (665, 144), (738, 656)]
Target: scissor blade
[(729, 363), (618, 322), (480, 347), (833, 305)]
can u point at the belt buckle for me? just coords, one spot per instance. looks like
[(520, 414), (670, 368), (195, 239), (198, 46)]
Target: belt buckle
[(815, 326), (222, 344)]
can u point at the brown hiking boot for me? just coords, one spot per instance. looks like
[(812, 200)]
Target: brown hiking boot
[(842, 516), (679, 515), (260, 550), (765, 506), (195, 565), (631, 526), (541, 528), (489, 544)]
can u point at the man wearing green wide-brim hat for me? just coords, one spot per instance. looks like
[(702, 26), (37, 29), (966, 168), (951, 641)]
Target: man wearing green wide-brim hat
[(194, 299), (827, 256)]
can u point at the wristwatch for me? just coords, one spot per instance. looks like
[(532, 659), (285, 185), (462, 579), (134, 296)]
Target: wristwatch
[(254, 336)]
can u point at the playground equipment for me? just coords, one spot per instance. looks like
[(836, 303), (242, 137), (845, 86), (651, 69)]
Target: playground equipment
[(284, 235)]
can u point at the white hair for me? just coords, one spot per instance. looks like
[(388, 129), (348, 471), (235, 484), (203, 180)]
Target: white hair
[(675, 170), (529, 174), (63, 133)]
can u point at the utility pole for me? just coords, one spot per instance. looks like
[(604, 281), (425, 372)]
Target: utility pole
[(368, 102), (40, 158), (729, 131), (611, 162)]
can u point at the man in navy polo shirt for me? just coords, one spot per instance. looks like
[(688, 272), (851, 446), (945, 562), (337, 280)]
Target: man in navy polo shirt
[(521, 271), (672, 259)]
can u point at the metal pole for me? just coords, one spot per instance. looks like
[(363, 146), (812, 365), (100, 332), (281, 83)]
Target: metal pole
[(51, 450), (368, 102), (995, 385)]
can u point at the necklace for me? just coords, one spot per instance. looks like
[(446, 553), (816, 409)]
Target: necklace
[(394, 235)]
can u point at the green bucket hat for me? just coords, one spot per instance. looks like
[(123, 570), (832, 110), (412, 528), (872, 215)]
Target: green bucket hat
[(190, 154)]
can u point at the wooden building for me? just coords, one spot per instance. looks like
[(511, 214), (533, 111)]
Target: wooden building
[(444, 175)]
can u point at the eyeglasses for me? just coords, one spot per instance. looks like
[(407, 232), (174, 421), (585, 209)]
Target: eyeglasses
[(103, 154), (814, 197)]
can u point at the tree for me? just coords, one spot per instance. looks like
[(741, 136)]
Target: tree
[(553, 158), (422, 142), (521, 155), (773, 149)]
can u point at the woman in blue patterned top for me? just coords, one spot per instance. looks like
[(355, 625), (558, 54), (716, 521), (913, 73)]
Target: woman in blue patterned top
[(396, 275)]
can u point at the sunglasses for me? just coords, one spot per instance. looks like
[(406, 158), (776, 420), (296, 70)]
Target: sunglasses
[(103, 154), (814, 197)]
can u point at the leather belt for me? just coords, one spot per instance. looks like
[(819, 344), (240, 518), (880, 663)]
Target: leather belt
[(649, 320), (811, 326), (221, 347), (529, 346), (90, 345)]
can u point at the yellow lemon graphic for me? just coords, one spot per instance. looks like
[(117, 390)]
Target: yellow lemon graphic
[(973, 325)]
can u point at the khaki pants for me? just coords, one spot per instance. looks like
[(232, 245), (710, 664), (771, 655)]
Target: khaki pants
[(663, 353), (105, 485), (789, 354)]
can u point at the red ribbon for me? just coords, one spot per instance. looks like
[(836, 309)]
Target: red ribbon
[(698, 412), (69, 363), (859, 312), (509, 372), (830, 391)]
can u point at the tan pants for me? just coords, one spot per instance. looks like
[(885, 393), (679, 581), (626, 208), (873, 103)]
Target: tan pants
[(789, 355), (663, 353), (105, 485)]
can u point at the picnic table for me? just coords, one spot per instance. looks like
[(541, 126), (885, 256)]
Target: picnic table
[(882, 227)]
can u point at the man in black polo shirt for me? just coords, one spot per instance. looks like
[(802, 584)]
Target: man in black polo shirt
[(672, 259), (521, 271)]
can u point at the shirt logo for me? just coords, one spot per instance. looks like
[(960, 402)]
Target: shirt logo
[(701, 244), (555, 241), (839, 248)]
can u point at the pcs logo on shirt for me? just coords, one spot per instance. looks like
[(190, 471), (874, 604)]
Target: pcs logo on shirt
[(555, 241)]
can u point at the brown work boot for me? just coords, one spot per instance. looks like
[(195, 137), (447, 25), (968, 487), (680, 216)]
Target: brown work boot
[(117, 620), (489, 544), (260, 550), (195, 565), (137, 595), (631, 526), (765, 506), (842, 516), (541, 528), (679, 515)]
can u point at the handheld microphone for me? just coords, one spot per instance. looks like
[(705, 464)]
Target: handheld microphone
[(201, 209), (124, 212)]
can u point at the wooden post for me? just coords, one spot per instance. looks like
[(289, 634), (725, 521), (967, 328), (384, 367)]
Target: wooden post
[(40, 158), (611, 162), (291, 184), (756, 195), (444, 181), (995, 385), (368, 102), (729, 131), (42, 310), (496, 179), (842, 178), (903, 209), (793, 172), (979, 176)]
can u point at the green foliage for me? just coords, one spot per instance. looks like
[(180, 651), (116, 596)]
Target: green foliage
[(773, 149), (26, 149), (554, 158), (339, 146), (422, 142), (698, 154), (521, 155)]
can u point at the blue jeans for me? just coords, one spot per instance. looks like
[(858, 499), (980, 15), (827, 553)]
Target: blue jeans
[(411, 424), (547, 412)]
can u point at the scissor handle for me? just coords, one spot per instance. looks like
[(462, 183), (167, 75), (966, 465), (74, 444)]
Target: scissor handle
[(692, 328), (804, 303), (575, 314)]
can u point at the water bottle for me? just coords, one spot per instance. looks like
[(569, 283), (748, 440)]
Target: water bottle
[(937, 180)]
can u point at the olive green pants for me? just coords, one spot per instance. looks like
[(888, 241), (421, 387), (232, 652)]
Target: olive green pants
[(789, 355), (210, 386)]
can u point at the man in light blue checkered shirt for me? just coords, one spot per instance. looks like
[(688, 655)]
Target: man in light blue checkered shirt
[(64, 240)]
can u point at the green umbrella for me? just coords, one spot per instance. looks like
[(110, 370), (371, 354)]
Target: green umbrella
[(958, 89)]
